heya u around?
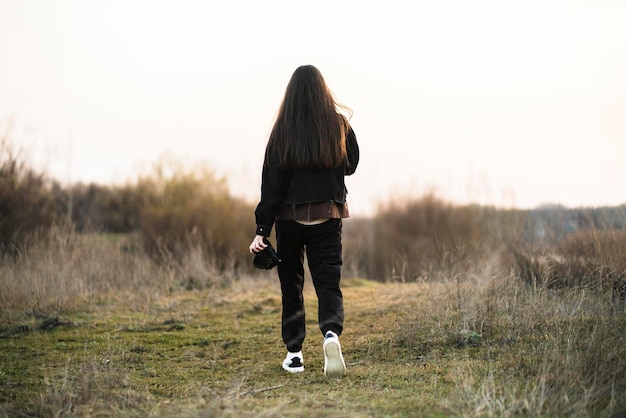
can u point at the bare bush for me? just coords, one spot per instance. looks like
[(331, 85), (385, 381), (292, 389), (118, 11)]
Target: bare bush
[(427, 238), (186, 210), (27, 203), (591, 258), (102, 208)]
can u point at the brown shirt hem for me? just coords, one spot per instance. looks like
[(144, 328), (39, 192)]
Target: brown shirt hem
[(314, 210)]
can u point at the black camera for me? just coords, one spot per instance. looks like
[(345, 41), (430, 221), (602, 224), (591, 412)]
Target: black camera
[(267, 258)]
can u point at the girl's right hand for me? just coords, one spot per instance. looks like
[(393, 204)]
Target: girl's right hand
[(257, 244)]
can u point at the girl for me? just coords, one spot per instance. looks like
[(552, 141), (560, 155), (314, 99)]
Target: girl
[(310, 149)]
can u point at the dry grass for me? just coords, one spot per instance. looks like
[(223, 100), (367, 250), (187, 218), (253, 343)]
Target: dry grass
[(589, 258), (530, 352), (472, 311), (62, 272), (114, 333)]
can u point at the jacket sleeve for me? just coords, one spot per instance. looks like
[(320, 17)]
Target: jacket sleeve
[(352, 149), (274, 187)]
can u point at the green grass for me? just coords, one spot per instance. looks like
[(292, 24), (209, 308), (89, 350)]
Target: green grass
[(412, 350)]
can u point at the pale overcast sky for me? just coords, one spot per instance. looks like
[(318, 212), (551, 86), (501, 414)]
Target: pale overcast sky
[(513, 103)]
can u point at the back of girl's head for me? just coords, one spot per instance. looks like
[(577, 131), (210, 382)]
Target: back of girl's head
[(307, 87), (308, 132)]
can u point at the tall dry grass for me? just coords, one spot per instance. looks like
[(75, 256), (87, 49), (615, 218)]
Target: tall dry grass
[(542, 292), (61, 271), (589, 258), (544, 308), (539, 351)]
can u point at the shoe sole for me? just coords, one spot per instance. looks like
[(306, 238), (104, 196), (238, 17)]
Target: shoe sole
[(335, 365), (293, 369)]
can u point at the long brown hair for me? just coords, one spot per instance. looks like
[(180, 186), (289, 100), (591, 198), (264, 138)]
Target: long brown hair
[(309, 132)]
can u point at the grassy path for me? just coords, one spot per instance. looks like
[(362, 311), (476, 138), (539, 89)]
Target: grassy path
[(197, 352)]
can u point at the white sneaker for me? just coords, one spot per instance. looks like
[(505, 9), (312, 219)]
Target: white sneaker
[(293, 363), (334, 366)]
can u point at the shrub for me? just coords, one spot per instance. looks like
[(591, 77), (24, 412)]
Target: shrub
[(103, 208), (183, 210), (27, 203), (591, 258), (426, 237)]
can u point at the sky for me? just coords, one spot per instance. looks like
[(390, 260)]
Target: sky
[(506, 103)]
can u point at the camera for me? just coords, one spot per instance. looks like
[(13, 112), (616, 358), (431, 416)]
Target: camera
[(267, 258)]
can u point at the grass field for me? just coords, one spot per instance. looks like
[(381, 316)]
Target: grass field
[(140, 300), (467, 347)]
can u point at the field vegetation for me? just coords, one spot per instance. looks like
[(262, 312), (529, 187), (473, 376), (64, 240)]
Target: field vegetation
[(141, 300)]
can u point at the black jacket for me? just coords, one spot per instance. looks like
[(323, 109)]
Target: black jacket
[(295, 187)]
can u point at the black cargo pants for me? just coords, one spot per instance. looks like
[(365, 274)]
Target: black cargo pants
[(322, 244)]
